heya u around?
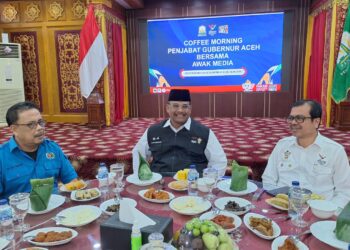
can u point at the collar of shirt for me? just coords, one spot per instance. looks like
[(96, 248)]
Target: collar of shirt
[(187, 125), (13, 145), (318, 141)]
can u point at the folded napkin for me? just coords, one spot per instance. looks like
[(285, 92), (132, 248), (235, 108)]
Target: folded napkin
[(144, 172), (239, 177), (129, 214), (41, 193)]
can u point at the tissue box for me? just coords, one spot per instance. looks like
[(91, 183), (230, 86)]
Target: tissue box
[(117, 235)]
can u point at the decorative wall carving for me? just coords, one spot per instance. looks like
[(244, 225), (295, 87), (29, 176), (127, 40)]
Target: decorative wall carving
[(31, 75), (9, 13), (32, 11), (67, 48), (78, 9), (55, 10)]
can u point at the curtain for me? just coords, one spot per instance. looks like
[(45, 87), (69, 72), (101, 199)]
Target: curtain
[(118, 72), (316, 60)]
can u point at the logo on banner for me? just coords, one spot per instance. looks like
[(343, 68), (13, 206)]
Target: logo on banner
[(223, 29), (202, 31), (212, 30)]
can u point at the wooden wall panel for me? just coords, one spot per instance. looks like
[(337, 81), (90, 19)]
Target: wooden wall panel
[(221, 104)]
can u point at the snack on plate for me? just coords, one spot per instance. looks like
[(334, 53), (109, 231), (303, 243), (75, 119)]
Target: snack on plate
[(179, 185), (152, 193), (203, 234), (52, 236), (144, 172), (316, 197), (239, 177), (288, 245), (75, 185), (224, 221), (182, 174), (113, 208), (282, 196), (234, 207), (263, 225), (86, 194), (279, 202)]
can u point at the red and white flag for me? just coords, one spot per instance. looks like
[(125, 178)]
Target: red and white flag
[(92, 54)]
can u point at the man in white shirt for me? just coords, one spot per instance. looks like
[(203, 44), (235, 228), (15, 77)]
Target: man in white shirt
[(178, 142), (318, 163)]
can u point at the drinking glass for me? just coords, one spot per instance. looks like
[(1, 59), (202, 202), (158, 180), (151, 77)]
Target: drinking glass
[(20, 205), (118, 170), (210, 177), (298, 200)]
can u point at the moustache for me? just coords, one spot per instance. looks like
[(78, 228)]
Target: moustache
[(39, 135)]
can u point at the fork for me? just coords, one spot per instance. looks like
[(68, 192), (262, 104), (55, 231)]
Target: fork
[(257, 194)]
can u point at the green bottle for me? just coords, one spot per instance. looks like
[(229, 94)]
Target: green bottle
[(136, 239)]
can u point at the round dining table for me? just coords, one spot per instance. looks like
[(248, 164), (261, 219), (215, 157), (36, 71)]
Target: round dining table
[(89, 235)]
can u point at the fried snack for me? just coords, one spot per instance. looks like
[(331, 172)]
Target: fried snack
[(86, 194), (282, 196), (52, 236), (224, 221), (263, 225), (152, 193), (75, 185), (179, 185), (288, 245), (182, 174), (279, 202)]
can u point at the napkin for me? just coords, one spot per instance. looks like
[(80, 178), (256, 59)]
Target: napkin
[(239, 177), (129, 214), (144, 171), (41, 193)]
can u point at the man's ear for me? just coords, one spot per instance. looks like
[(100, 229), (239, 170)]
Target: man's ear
[(317, 122)]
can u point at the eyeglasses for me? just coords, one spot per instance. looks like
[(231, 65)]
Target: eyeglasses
[(177, 106), (34, 124), (297, 118)]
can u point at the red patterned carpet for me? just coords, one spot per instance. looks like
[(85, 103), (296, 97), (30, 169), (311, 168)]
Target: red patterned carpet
[(247, 140)]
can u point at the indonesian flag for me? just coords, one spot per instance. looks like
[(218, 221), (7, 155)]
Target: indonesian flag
[(92, 54)]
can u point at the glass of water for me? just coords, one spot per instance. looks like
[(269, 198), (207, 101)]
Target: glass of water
[(299, 201), (118, 170), (210, 177), (20, 205)]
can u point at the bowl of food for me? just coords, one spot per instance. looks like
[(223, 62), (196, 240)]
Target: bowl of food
[(202, 186), (322, 209)]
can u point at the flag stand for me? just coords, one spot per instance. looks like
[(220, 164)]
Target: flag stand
[(96, 110)]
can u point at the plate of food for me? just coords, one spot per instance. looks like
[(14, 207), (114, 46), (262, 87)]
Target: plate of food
[(178, 185), (50, 236), (226, 220), (85, 195), (285, 243), (110, 206), (262, 226), (235, 205), (189, 205), (79, 215), (280, 201), (134, 179), (225, 185), (73, 185), (156, 196), (181, 175), (54, 202)]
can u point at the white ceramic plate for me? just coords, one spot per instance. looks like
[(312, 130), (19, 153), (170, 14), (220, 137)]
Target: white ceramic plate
[(54, 202), (276, 228), (268, 201), (34, 248), (225, 186), (3, 243), (134, 179), (79, 215), (279, 241), (48, 229), (72, 195), (166, 246), (221, 202), (189, 205), (110, 202), (236, 220), (176, 189), (64, 189), (323, 230), (142, 194)]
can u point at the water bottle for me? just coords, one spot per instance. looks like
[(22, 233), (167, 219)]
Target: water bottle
[(136, 238), (6, 221), (192, 178), (102, 177), (291, 212)]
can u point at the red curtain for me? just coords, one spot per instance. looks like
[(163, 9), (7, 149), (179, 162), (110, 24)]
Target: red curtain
[(118, 72), (314, 88)]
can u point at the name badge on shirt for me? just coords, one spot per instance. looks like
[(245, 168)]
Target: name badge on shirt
[(322, 160), (50, 156), (156, 140), (196, 140)]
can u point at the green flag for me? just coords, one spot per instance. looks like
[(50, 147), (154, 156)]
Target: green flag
[(341, 80)]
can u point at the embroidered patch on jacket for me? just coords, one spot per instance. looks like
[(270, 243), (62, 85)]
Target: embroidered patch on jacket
[(196, 140), (50, 156)]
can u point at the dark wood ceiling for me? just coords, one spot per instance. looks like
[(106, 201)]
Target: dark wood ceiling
[(130, 4)]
